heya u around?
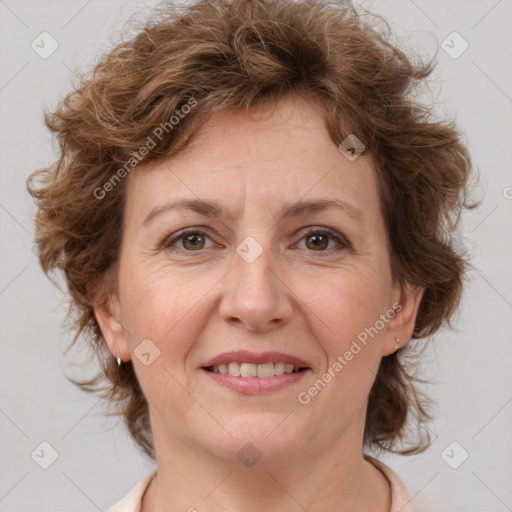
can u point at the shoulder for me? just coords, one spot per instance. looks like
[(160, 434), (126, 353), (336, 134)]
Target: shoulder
[(132, 501), (400, 500)]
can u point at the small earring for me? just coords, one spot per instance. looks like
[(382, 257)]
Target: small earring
[(397, 346), (119, 362)]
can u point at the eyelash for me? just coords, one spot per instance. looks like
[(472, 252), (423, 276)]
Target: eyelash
[(169, 241)]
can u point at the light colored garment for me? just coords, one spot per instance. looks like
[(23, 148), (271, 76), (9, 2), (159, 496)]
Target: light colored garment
[(399, 498), (400, 501)]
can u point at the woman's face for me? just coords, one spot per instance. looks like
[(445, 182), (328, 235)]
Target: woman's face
[(264, 275)]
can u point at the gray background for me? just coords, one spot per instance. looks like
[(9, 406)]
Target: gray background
[(469, 367)]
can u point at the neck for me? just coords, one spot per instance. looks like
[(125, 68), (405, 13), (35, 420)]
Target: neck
[(335, 479)]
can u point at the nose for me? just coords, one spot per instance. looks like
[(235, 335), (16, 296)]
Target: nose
[(256, 296)]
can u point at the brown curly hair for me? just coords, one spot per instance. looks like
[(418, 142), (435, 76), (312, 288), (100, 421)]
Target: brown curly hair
[(240, 54)]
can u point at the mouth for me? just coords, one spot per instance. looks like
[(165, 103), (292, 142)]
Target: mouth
[(261, 370), (250, 373), (254, 384)]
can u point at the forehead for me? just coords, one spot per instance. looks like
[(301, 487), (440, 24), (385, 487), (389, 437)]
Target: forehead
[(276, 155)]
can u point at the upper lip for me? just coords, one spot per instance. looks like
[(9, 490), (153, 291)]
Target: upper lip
[(244, 356)]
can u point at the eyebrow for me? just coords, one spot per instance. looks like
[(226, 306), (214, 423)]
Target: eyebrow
[(213, 210)]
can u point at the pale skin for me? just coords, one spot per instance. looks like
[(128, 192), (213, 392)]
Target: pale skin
[(197, 300)]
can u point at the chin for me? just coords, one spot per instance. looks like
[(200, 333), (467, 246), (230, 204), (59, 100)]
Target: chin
[(260, 440)]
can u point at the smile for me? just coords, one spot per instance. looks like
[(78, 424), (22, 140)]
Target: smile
[(256, 385), (264, 370)]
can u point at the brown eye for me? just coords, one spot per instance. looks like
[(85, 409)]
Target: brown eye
[(317, 241), (193, 241), (186, 241), (320, 240)]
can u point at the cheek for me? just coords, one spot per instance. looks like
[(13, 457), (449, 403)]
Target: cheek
[(350, 332), (352, 301), (346, 306), (164, 305), (167, 308)]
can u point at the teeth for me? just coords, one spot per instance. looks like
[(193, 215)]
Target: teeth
[(279, 368), (248, 370), (234, 369), (265, 370), (254, 370)]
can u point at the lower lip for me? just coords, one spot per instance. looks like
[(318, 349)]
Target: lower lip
[(256, 385)]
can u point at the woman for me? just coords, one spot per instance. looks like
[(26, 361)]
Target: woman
[(254, 221)]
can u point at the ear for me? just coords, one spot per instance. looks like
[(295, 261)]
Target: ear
[(108, 315), (401, 326)]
